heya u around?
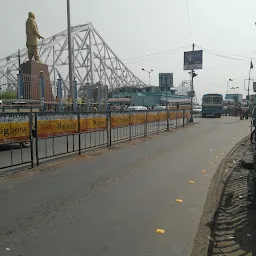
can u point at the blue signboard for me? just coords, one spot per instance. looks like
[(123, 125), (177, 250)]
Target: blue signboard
[(193, 60)]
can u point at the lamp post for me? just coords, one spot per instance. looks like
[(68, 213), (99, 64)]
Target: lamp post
[(149, 73), (229, 80)]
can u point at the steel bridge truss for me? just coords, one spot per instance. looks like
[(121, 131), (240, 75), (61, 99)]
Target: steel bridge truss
[(93, 61)]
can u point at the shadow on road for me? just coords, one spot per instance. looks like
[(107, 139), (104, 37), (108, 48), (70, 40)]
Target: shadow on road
[(234, 231)]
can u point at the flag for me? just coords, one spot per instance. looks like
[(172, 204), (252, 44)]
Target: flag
[(251, 65)]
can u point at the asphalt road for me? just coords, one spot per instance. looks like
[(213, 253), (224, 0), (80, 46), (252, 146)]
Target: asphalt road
[(112, 202), (15, 154)]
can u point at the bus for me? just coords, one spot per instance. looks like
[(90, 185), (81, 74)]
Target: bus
[(212, 105)]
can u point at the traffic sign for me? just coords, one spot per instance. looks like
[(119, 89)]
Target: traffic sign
[(166, 79)]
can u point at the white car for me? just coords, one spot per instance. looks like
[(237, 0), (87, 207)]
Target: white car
[(160, 108), (136, 108), (197, 110)]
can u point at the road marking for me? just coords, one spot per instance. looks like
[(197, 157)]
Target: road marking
[(210, 149), (216, 157), (210, 162), (160, 231), (222, 152), (203, 170), (191, 182), (179, 201)]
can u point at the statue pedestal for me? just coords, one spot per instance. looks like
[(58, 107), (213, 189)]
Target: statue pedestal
[(31, 83)]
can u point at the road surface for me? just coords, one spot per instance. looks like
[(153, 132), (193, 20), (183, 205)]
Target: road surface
[(112, 202)]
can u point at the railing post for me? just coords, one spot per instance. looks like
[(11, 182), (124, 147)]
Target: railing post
[(176, 118), (158, 123), (145, 126), (79, 133), (36, 129), (168, 124), (130, 126), (42, 91), (31, 140), (109, 134), (183, 122)]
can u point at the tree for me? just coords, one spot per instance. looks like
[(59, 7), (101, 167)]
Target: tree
[(8, 94)]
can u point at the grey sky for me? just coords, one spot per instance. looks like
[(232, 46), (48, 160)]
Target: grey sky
[(140, 27)]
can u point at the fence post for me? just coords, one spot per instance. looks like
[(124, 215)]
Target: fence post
[(145, 126), (176, 118), (130, 126), (36, 129), (109, 134), (168, 124), (31, 140), (158, 123), (183, 122), (79, 133), (42, 90)]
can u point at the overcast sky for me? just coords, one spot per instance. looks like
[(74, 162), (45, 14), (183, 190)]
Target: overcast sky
[(142, 27)]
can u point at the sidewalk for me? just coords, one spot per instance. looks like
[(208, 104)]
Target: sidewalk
[(234, 232)]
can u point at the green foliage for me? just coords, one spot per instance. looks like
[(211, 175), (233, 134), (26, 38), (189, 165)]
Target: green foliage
[(8, 94)]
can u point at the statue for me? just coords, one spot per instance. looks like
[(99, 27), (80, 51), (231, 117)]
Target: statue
[(32, 37)]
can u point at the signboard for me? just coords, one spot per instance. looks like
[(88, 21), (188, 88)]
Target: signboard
[(14, 128), (254, 86), (52, 124), (119, 120), (94, 122), (193, 60), (166, 79)]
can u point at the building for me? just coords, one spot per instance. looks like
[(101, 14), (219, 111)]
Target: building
[(234, 96), (148, 96)]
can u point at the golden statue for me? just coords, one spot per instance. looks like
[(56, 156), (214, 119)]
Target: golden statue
[(32, 37)]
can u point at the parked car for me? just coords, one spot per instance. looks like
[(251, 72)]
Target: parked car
[(197, 110), (160, 108), (136, 108)]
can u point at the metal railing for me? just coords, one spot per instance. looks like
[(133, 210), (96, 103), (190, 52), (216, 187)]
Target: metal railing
[(59, 133)]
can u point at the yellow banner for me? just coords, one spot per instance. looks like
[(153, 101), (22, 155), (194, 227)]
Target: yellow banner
[(14, 128), (162, 116), (120, 120), (93, 123), (50, 125), (138, 119), (152, 117)]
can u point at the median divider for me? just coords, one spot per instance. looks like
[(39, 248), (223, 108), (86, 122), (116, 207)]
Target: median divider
[(58, 133)]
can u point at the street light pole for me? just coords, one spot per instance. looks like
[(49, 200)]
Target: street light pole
[(70, 61), (149, 73)]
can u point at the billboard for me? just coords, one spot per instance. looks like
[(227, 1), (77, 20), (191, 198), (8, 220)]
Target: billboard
[(193, 60)]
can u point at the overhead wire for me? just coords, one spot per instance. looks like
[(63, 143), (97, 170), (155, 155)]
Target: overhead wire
[(224, 55), (189, 21), (154, 54)]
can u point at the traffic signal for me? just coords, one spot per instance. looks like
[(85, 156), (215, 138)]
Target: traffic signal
[(194, 74)]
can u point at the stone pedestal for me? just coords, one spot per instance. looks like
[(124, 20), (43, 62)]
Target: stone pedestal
[(30, 73)]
